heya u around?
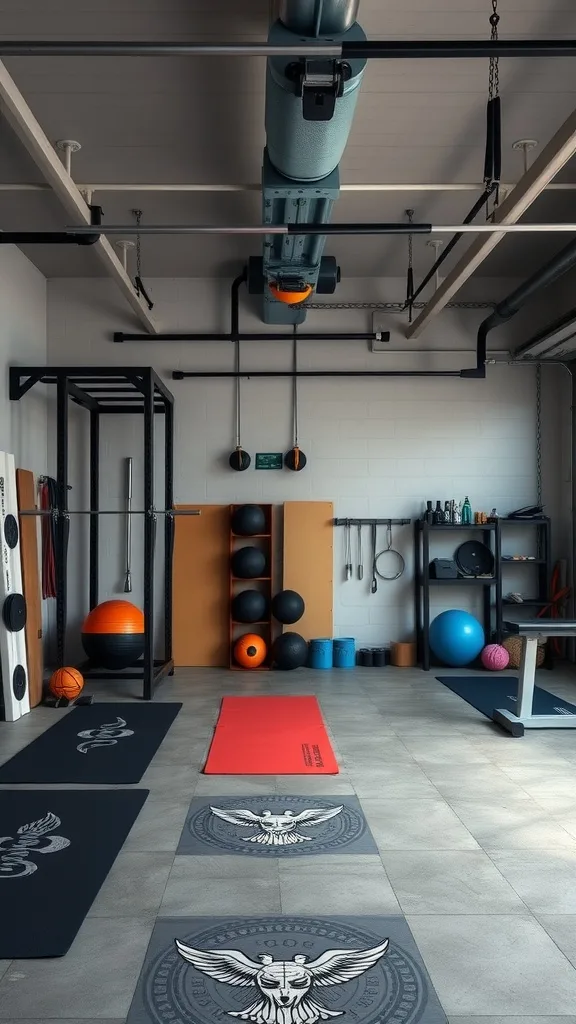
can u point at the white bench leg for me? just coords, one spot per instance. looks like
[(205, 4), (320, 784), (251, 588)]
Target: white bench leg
[(527, 678)]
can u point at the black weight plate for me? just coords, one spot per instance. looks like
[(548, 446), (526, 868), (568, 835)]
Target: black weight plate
[(475, 559), (11, 531), (14, 613), (19, 682)]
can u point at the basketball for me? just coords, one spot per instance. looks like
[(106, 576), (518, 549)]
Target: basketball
[(66, 682)]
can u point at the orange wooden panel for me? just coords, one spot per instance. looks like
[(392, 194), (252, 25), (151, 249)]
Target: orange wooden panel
[(201, 587), (31, 584), (308, 563)]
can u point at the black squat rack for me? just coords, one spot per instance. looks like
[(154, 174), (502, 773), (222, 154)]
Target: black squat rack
[(120, 391)]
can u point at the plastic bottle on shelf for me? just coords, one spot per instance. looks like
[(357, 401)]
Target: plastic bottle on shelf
[(466, 512)]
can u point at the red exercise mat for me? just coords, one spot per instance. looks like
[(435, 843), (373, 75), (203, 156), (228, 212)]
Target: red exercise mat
[(270, 736)]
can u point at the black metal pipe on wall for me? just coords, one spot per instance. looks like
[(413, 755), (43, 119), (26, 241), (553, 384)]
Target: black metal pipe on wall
[(234, 374)]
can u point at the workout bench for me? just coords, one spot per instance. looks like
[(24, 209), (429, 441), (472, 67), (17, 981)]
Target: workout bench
[(533, 631)]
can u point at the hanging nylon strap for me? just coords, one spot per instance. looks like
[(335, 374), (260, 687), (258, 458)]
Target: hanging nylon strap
[(492, 159)]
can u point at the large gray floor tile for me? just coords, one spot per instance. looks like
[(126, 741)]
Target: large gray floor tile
[(561, 928), (416, 825), (227, 889), (158, 826), (354, 887), (232, 785), (96, 978), (472, 782), (392, 782), (450, 882), (444, 750), (314, 785), (544, 879), (511, 824), (135, 885), (489, 965)]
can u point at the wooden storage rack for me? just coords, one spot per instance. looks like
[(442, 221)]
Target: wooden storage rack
[(265, 628)]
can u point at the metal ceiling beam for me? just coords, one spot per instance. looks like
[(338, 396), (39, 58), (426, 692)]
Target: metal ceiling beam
[(559, 186), (31, 134), (546, 166)]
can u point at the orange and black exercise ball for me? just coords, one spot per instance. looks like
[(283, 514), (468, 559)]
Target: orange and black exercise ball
[(113, 634), (250, 651), (66, 682)]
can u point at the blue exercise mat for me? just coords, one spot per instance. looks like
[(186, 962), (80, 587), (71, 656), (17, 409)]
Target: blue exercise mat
[(486, 693)]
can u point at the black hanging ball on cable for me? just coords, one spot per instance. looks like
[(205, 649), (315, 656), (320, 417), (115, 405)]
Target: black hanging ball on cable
[(239, 460), (295, 459)]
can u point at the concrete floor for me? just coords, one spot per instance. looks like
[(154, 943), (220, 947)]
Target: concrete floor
[(476, 834)]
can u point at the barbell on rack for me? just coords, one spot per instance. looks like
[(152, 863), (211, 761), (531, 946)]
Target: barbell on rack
[(57, 513)]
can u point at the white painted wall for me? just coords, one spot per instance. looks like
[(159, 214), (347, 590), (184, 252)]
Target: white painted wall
[(22, 341), (375, 447)]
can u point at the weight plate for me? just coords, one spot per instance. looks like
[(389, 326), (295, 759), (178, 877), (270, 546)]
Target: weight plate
[(474, 559), (11, 531), (14, 613), (19, 682)]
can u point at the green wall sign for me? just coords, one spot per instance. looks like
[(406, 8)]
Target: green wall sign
[(269, 460)]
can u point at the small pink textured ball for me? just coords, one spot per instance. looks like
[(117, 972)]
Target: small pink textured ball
[(495, 657)]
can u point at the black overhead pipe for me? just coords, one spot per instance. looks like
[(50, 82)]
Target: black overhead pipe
[(234, 374), (374, 49), (507, 308), (234, 333), (55, 237)]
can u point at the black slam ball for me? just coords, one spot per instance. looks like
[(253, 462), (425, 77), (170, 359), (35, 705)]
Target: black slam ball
[(289, 650), (248, 563), (248, 520), (249, 606), (287, 607)]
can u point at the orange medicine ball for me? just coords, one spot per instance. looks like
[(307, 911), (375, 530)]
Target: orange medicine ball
[(114, 617), (250, 650)]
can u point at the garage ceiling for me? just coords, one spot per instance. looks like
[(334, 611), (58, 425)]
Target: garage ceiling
[(201, 120)]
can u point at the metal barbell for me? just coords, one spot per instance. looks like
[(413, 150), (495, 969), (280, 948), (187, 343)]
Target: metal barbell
[(57, 513)]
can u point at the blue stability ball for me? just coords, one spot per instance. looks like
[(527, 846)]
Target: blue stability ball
[(456, 638)]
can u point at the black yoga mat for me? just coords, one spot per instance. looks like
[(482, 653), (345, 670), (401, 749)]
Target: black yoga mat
[(102, 744), (56, 849), (486, 694)]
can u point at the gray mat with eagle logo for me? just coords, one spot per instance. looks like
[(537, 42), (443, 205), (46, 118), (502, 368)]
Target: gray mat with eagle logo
[(276, 826), (284, 970)]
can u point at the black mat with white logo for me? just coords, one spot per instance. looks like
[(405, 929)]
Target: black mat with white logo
[(276, 826), (56, 848), (103, 744), (284, 970)]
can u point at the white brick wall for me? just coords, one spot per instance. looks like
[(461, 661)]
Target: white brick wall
[(376, 447)]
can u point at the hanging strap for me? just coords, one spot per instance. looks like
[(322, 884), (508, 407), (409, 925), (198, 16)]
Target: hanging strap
[(410, 272)]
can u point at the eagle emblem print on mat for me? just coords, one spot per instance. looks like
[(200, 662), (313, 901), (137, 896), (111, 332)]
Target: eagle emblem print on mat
[(105, 736), (286, 988), (277, 829), (16, 851)]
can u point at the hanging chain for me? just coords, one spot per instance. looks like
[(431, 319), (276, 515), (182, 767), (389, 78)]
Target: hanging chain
[(410, 215), (138, 216), (494, 70), (539, 433)]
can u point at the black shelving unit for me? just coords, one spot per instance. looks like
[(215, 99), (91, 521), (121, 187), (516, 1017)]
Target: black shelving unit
[(491, 586), (495, 606), (542, 562)]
